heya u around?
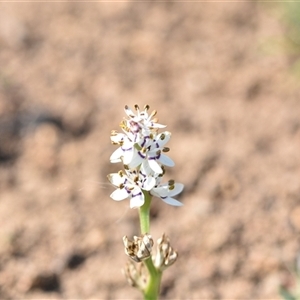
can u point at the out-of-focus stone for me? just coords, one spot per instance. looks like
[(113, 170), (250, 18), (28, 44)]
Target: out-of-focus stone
[(227, 189), (93, 241), (69, 155), (269, 286), (12, 31), (237, 288), (228, 262), (216, 234), (262, 260), (41, 148)]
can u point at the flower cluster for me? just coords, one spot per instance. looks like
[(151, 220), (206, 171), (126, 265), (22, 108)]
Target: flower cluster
[(142, 152)]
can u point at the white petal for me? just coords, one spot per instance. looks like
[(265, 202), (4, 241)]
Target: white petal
[(117, 138), (129, 112), (149, 183), (145, 168), (143, 115), (166, 160), (116, 156), (119, 194), (155, 166), (161, 191), (136, 160), (177, 189), (172, 201), (137, 200), (162, 142), (115, 179), (155, 125), (128, 156)]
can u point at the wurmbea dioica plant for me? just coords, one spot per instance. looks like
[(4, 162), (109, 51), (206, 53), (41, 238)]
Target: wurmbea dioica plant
[(142, 152)]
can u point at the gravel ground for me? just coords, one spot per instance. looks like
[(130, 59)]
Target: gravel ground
[(231, 103)]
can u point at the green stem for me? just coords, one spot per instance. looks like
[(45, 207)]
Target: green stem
[(151, 291), (145, 214)]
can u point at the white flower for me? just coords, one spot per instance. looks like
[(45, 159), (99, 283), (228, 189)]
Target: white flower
[(131, 185), (126, 149), (142, 122), (136, 151), (151, 152), (125, 152), (166, 191), (137, 131)]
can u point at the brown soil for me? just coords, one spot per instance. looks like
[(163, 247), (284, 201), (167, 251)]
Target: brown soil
[(68, 69)]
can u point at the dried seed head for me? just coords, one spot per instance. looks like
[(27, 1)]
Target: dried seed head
[(140, 248), (131, 274), (165, 255)]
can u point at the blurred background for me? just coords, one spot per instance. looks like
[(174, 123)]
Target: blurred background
[(224, 78)]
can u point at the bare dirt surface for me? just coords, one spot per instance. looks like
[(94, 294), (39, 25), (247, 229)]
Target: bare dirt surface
[(68, 69)]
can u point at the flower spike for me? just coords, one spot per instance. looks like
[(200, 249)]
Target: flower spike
[(142, 151)]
